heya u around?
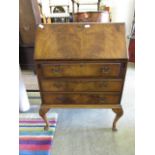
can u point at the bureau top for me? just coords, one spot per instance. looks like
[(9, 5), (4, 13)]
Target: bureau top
[(75, 41)]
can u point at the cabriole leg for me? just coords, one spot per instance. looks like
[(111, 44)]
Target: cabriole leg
[(42, 113), (119, 113)]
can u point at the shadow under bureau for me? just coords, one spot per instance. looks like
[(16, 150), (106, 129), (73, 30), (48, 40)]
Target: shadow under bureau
[(81, 65)]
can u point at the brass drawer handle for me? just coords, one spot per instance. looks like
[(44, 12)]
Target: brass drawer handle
[(56, 70), (61, 99), (57, 85), (106, 69), (65, 99), (101, 99), (104, 84)]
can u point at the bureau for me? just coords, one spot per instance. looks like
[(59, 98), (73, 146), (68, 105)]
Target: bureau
[(81, 65)]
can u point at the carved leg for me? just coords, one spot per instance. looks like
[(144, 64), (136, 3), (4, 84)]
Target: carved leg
[(42, 113), (119, 113)]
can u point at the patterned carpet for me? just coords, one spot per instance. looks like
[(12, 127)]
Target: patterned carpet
[(33, 140)]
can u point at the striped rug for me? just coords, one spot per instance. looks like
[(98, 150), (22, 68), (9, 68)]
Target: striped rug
[(33, 140)]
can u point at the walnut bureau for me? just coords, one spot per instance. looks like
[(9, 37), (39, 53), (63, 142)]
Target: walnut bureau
[(81, 65)]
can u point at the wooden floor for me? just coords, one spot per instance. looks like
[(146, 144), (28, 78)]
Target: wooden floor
[(88, 131)]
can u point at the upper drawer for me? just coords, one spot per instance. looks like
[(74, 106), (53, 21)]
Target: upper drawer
[(81, 70)]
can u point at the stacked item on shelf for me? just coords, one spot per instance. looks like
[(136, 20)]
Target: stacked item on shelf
[(54, 11)]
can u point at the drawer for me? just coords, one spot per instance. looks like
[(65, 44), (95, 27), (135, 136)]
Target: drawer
[(81, 70), (80, 98), (81, 85)]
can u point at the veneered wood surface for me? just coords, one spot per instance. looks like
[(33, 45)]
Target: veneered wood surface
[(81, 66), (81, 41), (87, 85), (80, 98), (29, 17), (81, 70), (98, 106), (26, 22)]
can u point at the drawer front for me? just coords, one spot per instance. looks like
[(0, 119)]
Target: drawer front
[(81, 70), (80, 98), (81, 85)]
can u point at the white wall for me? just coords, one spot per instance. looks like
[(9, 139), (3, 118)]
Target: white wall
[(123, 11)]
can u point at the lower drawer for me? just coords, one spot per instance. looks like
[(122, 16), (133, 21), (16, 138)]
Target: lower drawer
[(81, 85), (80, 98)]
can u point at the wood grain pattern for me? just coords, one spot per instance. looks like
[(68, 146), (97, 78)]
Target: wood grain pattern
[(80, 98), (85, 106), (29, 18), (26, 22), (87, 85), (81, 70), (119, 113), (75, 41), (81, 67), (42, 113)]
